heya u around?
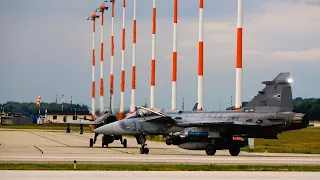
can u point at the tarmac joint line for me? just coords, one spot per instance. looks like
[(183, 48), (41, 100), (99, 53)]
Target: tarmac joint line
[(124, 151)]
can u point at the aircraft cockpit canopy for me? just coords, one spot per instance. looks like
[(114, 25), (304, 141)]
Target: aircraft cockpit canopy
[(143, 113), (106, 112)]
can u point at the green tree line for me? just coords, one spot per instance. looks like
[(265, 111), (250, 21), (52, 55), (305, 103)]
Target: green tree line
[(29, 109), (310, 106)]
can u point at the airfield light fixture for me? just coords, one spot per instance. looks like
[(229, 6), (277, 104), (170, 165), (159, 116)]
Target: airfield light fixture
[(93, 16)]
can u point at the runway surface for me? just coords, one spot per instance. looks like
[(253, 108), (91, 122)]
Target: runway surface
[(138, 175), (39, 146)]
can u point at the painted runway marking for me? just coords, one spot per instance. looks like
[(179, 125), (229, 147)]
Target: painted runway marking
[(39, 149), (48, 138)]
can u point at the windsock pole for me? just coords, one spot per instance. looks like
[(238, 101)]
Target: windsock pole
[(200, 56), (121, 112), (239, 57), (153, 60), (38, 104), (174, 55), (134, 40), (101, 9), (93, 17), (112, 57)]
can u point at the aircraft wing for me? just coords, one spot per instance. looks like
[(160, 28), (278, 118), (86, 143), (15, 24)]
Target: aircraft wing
[(205, 123), (212, 122)]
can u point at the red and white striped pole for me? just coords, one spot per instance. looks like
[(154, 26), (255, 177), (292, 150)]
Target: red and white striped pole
[(93, 17), (112, 58), (153, 61), (134, 40), (200, 56), (174, 55), (101, 9), (238, 103), (121, 112)]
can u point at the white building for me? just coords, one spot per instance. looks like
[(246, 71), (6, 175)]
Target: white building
[(66, 116)]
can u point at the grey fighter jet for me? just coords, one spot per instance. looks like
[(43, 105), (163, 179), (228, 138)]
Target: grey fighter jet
[(105, 118), (265, 116)]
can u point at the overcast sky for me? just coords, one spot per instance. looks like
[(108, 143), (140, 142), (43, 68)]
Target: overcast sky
[(45, 48)]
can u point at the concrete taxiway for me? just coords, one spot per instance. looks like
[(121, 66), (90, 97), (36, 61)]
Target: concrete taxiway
[(138, 175), (40, 146)]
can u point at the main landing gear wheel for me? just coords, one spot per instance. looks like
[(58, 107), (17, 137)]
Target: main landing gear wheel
[(210, 150), (144, 150), (234, 151), (81, 129), (68, 129), (91, 142), (168, 142), (124, 143)]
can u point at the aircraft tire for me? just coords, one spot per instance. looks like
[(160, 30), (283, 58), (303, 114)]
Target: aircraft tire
[(210, 150), (125, 143), (234, 151), (141, 151), (168, 142), (91, 142), (146, 150), (68, 131)]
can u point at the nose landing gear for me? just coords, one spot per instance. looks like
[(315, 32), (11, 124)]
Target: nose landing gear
[(144, 149)]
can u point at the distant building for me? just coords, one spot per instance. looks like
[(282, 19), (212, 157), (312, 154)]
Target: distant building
[(65, 116), (15, 120)]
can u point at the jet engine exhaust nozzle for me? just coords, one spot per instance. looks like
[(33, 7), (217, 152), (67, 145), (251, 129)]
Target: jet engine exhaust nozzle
[(299, 121)]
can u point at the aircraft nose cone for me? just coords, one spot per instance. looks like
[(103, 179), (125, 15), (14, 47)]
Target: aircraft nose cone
[(105, 129)]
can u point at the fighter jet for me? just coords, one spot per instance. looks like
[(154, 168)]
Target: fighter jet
[(265, 116), (105, 118)]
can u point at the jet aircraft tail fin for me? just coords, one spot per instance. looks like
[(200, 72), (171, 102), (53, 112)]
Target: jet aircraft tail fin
[(195, 107), (275, 97)]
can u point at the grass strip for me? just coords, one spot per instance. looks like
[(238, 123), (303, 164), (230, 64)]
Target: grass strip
[(156, 167)]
